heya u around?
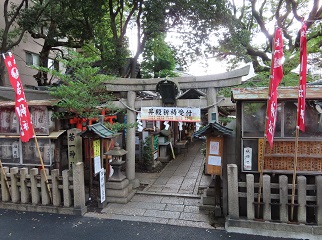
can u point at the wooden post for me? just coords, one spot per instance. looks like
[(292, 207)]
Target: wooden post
[(42, 166)]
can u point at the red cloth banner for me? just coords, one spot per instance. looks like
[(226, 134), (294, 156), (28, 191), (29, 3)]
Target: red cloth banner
[(302, 81), (275, 79), (21, 107)]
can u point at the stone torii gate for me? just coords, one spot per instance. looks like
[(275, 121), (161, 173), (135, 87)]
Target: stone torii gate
[(133, 85)]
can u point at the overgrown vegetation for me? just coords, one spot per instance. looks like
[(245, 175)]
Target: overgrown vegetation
[(81, 90), (147, 154)]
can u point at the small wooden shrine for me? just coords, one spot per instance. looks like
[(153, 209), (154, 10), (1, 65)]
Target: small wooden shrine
[(251, 112)]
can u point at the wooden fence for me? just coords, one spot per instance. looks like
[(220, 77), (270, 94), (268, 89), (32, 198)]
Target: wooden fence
[(274, 213), (24, 189)]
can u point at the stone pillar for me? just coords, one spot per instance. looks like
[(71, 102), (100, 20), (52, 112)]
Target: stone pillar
[(23, 186), (35, 197), (318, 182), (130, 141), (233, 203), (55, 189), (79, 189), (283, 198), (267, 197), (211, 99), (15, 195), (66, 191), (5, 194), (250, 196), (301, 191)]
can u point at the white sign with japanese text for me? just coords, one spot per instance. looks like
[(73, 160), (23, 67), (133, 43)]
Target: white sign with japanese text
[(170, 114), (102, 185), (248, 158)]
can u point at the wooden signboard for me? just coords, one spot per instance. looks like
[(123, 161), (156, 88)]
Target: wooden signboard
[(214, 155)]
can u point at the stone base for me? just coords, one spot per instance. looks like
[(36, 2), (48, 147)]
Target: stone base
[(164, 159), (119, 192), (273, 229), (123, 200)]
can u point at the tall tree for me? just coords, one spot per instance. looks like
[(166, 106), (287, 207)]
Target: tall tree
[(11, 34), (194, 19), (158, 59), (249, 33), (62, 23)]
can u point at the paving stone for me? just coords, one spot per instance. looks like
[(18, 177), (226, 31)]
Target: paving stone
[(174, 207), (180, 173), (167, 173), (161, 181), (146, 198), (175, 180), (192, 201), (141, 219), (191, 209), (179, 222), (162, 214), (173, 200), (183, 191), (199, 217), (155, 188), (171, 188), (125, 211), (146, 205)]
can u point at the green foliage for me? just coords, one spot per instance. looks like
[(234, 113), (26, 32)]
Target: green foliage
[(147, 153), (117, 127), (158, 59), (81, 91)]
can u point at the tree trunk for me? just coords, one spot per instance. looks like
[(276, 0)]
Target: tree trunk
[(42, 77), (2, 72)]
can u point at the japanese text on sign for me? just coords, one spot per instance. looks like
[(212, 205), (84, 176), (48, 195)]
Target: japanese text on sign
[(170, 114)]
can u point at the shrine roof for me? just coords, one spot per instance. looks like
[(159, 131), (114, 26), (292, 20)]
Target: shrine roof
[(98, 130), (261, 93), (214, 129)]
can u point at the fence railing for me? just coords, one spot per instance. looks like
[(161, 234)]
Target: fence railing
[(24, 189), (276, 198)]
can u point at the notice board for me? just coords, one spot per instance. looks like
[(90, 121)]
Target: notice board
[(214, 155)]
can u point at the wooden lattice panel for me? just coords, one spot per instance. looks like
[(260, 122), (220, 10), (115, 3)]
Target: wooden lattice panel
[(281, 156)]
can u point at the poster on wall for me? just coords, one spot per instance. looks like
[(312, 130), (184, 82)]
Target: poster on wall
[(214, 160), (214, 148)]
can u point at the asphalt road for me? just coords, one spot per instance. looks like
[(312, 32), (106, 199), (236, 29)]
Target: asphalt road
[(17, 225)]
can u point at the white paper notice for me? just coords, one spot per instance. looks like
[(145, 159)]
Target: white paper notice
[(214, 148), (214, 160), (102, 185), (97, 164)]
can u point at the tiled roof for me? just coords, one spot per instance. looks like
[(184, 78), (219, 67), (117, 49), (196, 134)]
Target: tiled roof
[(213, 129), (100, 130)]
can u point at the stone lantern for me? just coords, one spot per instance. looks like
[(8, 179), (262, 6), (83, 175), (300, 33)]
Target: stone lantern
[(118, 187), (117, 161)]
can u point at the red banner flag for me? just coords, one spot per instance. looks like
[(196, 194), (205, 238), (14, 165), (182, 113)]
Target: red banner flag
[(302, 81), (21, 107), (275, 79)]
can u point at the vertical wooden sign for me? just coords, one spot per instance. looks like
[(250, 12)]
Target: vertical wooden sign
[(214, 155), (74, 142)]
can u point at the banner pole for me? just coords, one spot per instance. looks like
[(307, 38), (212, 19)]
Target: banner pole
[(5, 178), (42, 165), (294, 171)]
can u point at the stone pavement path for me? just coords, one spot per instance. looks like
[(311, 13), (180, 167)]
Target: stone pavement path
[(170, 197)]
